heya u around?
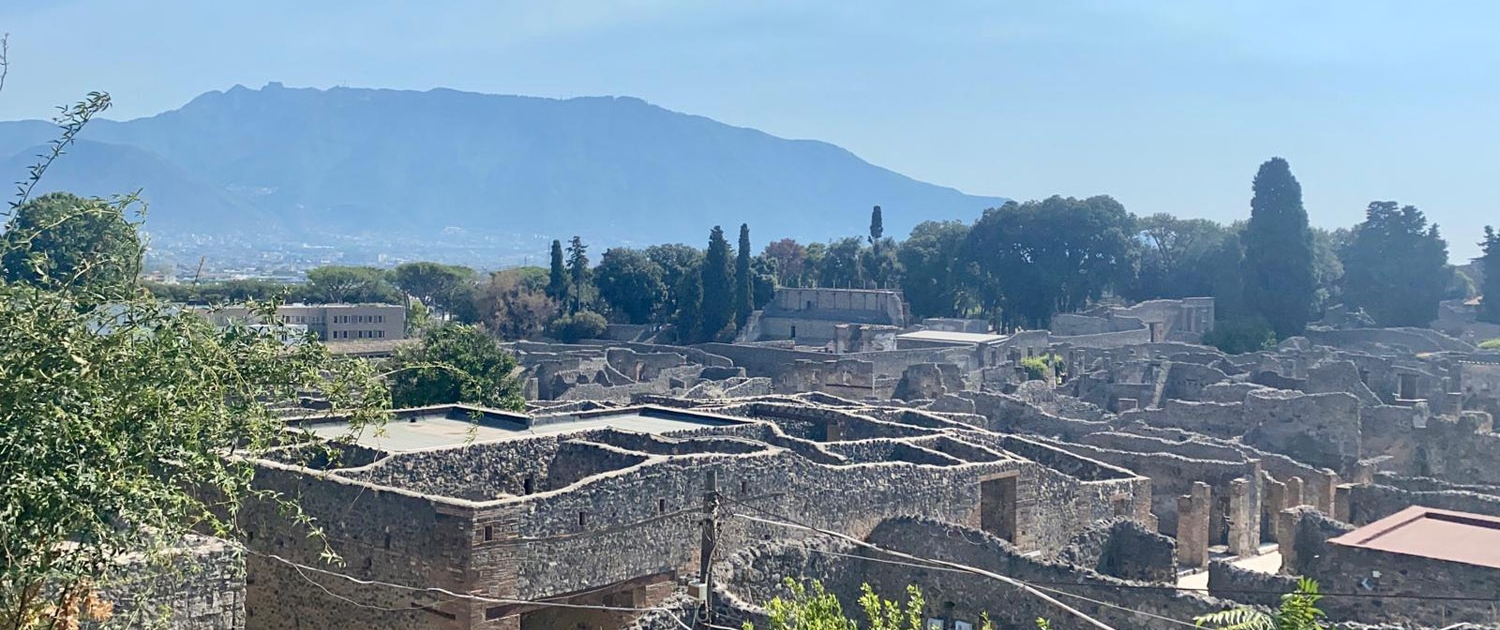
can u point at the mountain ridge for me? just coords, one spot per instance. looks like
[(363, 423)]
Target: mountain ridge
[(297, 161)]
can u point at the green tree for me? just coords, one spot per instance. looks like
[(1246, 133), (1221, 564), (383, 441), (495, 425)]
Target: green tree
[(455, 363), (812, 274), (877, 226), (1328, 270), (788, 258), (678, 262), (557, 285), (687, 318), (630, 283), (932, 268), (1174, 256), (1227, 263), (445, 287), (1489, 263), (839, 266), (1396, 266), (763, 282), (60, 240), (1031, 260), (1298, 611), (1238, 336), (717, 309), (1278, 268), (879, 265), (578, 272), (744, 282), (356, 285), (117, 411), (578, 326), (515, 305)]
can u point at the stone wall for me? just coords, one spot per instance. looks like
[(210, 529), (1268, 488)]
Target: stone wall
[(392, 536), (1125, 549), (478, 472), (1173, 476), (755, 575), (1224, 420), (196, 585), (972, 595), (1371, 502), (1420, 582), (638, 522), (1318, 429), (1244, 585), (1414, 340)]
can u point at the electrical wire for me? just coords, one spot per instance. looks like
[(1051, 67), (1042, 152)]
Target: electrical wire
[(1117, 607), (299, 567), (977, 571), (1146, 587), (955, 532)]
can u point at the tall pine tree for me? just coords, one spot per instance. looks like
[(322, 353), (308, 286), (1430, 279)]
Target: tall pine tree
[(1489, 263), (1396, 266), (557, 280), (877, 227), (1278, 267), (578, 270), (717, 310), (744, 281)]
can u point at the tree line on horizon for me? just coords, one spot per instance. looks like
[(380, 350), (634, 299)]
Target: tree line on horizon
[(1017, 266)]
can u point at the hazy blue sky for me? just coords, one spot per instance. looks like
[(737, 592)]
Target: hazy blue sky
[(1168, 105)]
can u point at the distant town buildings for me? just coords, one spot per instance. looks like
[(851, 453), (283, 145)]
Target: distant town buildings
[(330, 322)]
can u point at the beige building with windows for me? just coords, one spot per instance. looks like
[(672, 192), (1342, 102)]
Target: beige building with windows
[(332, 322)]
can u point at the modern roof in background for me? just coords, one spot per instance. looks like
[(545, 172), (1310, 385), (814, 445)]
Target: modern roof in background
[(952, 337), (1432, 533), (451, 426)]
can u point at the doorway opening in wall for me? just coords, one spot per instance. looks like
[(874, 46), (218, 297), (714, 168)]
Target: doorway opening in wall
[(997, 506), (794, 332), (1408, 387)]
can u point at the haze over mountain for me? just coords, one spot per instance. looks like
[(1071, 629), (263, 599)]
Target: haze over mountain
[(281, 163)]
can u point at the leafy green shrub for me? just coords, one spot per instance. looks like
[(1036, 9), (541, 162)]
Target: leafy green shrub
[(1298, 611), (455, 363), (1493, 344), (580, 325), (1241, 336), (1042, 367)]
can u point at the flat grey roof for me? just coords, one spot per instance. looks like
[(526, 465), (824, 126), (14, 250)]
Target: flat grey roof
[(441, 427), (951, 337)]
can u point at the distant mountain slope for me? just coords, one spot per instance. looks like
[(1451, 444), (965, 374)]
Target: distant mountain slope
[(175, 200), (360, 161)]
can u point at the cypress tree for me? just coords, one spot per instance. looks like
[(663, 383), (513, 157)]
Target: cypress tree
[(717, 310), (578, 270), (1278, 267), (877, 227), (689, 300), (744, 283), (557, 281), (1489, 307)]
